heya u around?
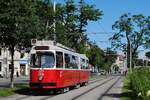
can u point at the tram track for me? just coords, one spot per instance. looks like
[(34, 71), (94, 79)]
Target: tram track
[(91, 89), (83, 93), (96, 80), (108, 89), (81, 96), (42, 96), (91, 82), (47, 97)]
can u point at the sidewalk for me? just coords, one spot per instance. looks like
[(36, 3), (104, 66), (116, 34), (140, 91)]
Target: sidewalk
[(4, 82)]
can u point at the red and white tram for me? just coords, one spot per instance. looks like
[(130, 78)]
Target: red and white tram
[(56, 66)]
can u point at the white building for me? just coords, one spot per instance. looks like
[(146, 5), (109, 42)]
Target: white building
[(20, 63), (120, 60), (120, 63)]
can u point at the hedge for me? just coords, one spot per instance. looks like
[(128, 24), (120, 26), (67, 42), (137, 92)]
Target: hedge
[(140, 83)]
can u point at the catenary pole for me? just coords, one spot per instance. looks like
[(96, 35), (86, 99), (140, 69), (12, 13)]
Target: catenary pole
[(54, 21)]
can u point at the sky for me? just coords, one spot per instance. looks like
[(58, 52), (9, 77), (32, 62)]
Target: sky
[(112, 10)]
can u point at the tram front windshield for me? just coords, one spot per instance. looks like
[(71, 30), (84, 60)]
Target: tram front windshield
[(42, 60)]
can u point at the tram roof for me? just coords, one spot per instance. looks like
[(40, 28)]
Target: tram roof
[(57, 46)]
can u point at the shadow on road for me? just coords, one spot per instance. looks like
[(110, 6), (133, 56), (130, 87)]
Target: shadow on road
[(5, 86), (114, 95), (31, 92), (119, 95)]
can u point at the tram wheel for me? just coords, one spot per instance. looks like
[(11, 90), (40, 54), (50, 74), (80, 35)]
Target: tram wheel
[(64, 90), (77, 86), (85, 84)]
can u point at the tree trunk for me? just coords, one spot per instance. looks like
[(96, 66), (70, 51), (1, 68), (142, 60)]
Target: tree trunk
[(12, 67), (128, 55)]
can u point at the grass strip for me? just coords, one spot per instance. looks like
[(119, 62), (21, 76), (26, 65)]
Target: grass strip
[(127, 93), (6, 91)]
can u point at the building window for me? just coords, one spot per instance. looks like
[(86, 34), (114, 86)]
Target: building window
[(22, 69), (0, 51), (0, 66), (21, 55), (10, 67)]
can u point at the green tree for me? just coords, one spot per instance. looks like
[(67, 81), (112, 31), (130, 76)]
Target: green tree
[(109, 59), (131, 31), (69, 26), (18, 24), (86, 13), (44, 10), (95, 55), (147, 54), (70, 17)]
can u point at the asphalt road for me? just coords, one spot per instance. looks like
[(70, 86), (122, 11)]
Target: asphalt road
[(17, 80), (103, 88)]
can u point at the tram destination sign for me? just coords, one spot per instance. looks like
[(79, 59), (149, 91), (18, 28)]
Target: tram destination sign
[(41, 48)]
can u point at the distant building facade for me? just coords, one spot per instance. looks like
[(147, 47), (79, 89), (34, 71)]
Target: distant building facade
[(21, 65), (119, 64)]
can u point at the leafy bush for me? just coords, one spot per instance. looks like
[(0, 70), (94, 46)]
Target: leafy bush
[(140, 83)]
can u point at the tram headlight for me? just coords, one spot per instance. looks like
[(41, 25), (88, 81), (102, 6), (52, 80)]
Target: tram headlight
[(40, 75)]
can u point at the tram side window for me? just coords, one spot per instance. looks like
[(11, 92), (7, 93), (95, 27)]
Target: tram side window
[(74, 62), (87, 64), (67, 61), (83, 63), (59, 59)]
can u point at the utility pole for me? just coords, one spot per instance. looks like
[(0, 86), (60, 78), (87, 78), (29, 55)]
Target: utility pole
[(54, 21)]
